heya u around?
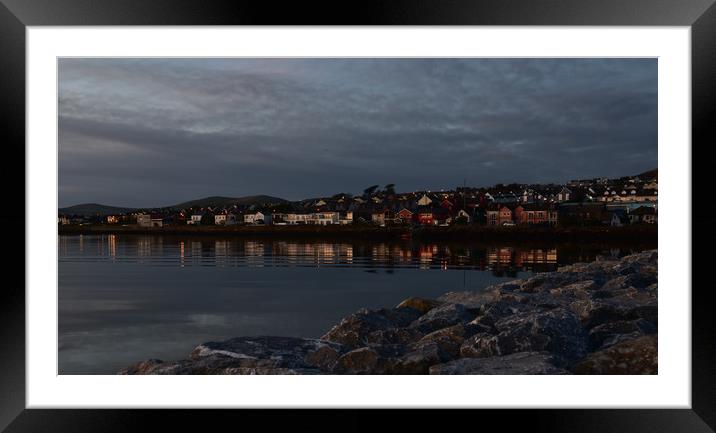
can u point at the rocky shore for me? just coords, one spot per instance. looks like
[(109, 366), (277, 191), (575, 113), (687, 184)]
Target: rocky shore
[(586, 318)]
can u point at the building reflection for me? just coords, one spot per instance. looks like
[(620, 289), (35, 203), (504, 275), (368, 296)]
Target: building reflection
[(389, 256)]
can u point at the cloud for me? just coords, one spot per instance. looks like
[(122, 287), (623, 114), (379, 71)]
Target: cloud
[(143, 132)]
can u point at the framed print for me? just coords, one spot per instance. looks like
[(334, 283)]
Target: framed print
[(412, 206)]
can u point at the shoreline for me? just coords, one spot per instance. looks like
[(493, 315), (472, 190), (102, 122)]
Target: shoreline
[(639, 233), (599, 317)]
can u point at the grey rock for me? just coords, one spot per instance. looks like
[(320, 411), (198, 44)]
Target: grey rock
[(556, 331), (250, 355), (609, 334), (516, 363), (354, 331), (636, 356), (443, 316)]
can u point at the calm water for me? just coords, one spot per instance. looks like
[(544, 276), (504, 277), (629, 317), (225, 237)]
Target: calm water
[(125, 298)]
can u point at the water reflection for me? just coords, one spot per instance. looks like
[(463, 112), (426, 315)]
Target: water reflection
[(170, 251), (123, 299)]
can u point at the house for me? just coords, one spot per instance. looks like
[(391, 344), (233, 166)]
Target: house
[(225, 219), (113, 219), (564, 194), (378, 218), (499, 215), (534, 214), (643, 215), (257, 218), (403, 216), (156, 220), (424, 200), (425, 217), (323, 218), (63, 220), (346, 218), (462, 215), (617, 218), (195, 219), (583, 213), (144, 220), (441, 217)]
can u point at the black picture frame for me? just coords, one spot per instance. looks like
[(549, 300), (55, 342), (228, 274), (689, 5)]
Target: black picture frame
[(16, 15)]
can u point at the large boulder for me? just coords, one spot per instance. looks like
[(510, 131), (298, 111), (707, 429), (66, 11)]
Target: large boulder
[(444, 316), (516, 363), (470, 299), (421, 304), (609, 334), (557, 331), (624, 307), (250, 355), (354, 331), (637, 356), (369, 360)]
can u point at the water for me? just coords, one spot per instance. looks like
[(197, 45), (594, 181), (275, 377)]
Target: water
[(126, 298)]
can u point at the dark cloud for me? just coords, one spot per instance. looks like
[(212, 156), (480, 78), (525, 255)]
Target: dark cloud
[(143, 132)]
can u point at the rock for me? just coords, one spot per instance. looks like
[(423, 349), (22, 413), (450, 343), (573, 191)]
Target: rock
[(637, 356), (556, 331), (516, 363), (393, 336), (144, 367), (250, 355), (368, 360), (491, 313), (593, 312), (609, 334), (470, 299), (448, 340), (420, 304), (283, 352), (353, 331), (443, 316), (419, 360), (631, 280)]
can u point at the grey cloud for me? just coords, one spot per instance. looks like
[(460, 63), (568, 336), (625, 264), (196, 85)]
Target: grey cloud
[(141, 132)]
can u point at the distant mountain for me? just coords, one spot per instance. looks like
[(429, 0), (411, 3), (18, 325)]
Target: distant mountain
[(93, 209), (651, 174), (228, 201), (89, 209)]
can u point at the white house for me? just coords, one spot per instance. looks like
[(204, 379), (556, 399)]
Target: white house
[(462, 214), (424, 200), (225, 219), (144, 220), (324, 218), (347, 219), (257, 218), (195, 219)]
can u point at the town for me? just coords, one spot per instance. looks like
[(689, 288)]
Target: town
[(586, 202)]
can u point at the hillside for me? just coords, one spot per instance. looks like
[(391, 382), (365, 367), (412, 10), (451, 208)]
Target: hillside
[(93, 209), (651, 174), (88, 209), (227, 201)]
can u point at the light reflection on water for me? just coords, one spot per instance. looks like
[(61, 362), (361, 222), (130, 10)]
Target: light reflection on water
[(126, 298), (159, 251)]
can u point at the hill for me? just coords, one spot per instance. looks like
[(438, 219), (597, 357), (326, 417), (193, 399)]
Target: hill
[(93, 209), (228, 201), (647, 175), (89, 209)]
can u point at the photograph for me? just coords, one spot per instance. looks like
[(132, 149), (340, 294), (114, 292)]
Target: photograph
[(358, 215)]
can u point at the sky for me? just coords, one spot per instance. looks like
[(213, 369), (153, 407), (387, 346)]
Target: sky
[(158, 131)]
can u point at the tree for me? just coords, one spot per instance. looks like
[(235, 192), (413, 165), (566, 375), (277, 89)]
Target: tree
[(390, 189), (207, 219), (370, 190)]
